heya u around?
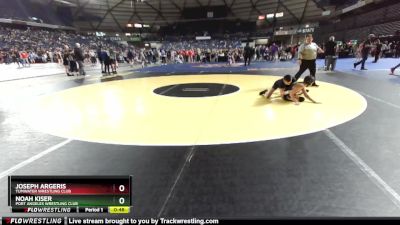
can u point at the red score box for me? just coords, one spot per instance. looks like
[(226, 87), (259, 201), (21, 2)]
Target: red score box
[(96, 189)]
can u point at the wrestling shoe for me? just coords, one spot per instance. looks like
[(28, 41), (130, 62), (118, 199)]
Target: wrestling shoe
[(262, 93)]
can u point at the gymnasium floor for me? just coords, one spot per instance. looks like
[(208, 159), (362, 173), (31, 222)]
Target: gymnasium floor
[(351, 169)]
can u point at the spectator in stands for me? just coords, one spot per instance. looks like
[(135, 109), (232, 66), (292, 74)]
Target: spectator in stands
[(16, 57), (24, 58), (274, 52), (142, 58), (107, 61), (330, 54), (294, 51), (392, 48), (66, 57), (365, 50), (230, 58), (288, 50), (51, 55), (163, 57), (179, 59), (397, 50), (113, 60), (93, 59), (87, 56), (44, 57), (79, 57), (247, 54), (2, 57), (377, 50), (130, 57), (73, 65), (258, 53), (385, 49), (262, 52), (101, 57), (307, 54), (59, 57), (357, 51)]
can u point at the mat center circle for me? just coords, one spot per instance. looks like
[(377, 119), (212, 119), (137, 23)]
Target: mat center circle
[(196, 90)]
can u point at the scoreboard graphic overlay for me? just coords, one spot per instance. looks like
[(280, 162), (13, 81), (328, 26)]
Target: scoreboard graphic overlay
[(101, 195), (70, 194)]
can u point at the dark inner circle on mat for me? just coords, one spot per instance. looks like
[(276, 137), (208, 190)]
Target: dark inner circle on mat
[(196, 90)]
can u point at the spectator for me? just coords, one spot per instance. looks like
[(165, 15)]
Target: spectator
[(365, 49), (247, 54), (79, 57), (330, 54), (377, 51), (113, 61)]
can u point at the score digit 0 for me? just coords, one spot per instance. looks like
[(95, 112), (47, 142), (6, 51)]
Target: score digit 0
[(121, 188), (121, 200)]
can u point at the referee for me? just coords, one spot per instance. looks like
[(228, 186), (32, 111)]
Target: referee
[(307, 56)]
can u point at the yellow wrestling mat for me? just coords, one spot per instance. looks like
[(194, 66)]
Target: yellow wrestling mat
[(128, 112)]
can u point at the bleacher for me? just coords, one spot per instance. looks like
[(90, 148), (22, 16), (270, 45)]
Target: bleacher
[(26, 10), (382, 21), (34, 38)]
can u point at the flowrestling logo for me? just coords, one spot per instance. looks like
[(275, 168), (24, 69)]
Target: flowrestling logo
[(34, 220)]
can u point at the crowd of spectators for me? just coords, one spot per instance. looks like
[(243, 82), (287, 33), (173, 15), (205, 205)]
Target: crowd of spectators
[(34, 45), (219, 50), (28, 46), (181, 50), (275, 51), (39, 45), (387, 46)]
